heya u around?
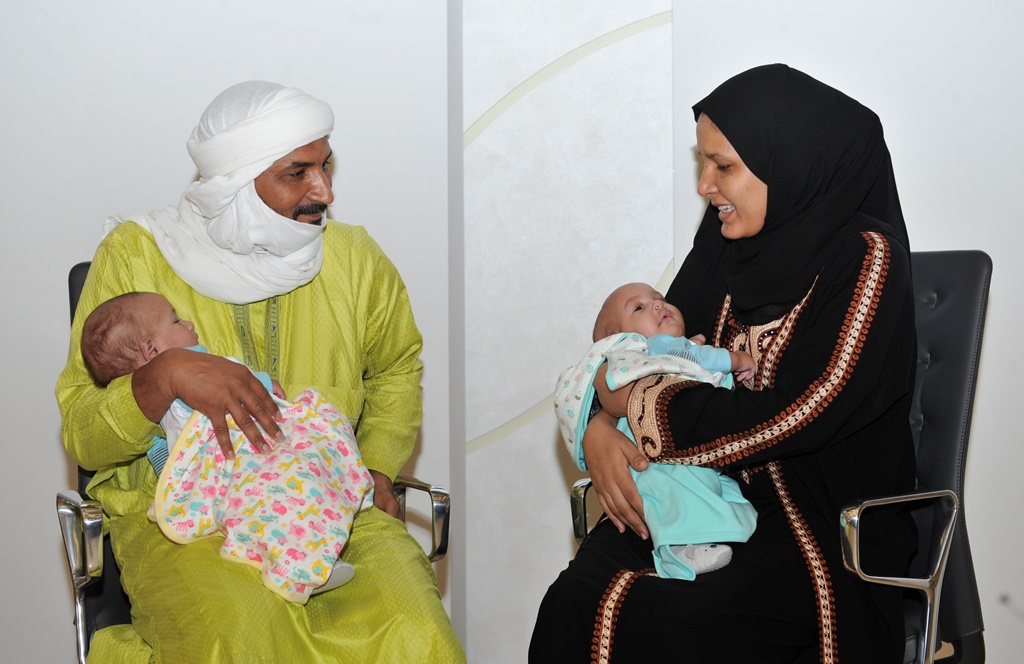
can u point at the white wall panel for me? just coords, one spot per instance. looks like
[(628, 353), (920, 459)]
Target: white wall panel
[(568, 193)]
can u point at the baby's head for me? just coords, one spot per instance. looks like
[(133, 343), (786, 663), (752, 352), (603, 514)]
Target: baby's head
[(641, 309), (127, 331)]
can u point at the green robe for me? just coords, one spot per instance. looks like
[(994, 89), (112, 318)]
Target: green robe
[(350, 334)]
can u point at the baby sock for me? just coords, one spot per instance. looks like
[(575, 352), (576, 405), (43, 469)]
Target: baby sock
[(340, 575), (704, 557)]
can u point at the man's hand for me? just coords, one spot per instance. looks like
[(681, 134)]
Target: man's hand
[(384, 494), (214, 386), (609, 454)]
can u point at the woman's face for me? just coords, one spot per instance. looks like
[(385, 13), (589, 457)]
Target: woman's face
[(741, 198)]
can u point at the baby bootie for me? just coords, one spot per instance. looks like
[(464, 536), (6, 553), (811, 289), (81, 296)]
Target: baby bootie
[(340, 575), (704, 557)]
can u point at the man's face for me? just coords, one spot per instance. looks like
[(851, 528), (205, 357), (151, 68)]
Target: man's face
[(298, 185)]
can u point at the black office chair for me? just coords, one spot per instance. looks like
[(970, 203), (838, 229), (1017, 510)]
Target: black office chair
[(951, 296), (99, 600)]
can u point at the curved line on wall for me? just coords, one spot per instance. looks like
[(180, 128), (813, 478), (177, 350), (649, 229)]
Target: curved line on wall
[(561, 64), (545, 404), (516, 423)]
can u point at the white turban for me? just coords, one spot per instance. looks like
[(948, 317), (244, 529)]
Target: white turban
[(221, 238)]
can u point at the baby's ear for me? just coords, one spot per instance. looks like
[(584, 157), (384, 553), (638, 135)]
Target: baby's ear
[(148, 349)]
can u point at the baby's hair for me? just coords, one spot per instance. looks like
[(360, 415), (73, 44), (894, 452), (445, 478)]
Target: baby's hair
[(605, 320), (110, 339)]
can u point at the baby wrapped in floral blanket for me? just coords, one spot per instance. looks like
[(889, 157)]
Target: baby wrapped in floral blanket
[(289, 511)]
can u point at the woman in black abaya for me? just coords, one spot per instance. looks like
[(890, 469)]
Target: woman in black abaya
[(802, 259)]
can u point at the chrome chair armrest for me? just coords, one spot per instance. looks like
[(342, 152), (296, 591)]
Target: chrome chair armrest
[(440, 500), (81, 525), (578, 504), (944, 523)]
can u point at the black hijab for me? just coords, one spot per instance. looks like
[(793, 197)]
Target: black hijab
[(828, 171)]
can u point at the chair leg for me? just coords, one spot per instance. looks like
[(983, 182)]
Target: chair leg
[(81, 525)]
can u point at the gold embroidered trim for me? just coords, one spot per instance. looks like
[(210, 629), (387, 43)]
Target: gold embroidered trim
[(781, 334), (271, 341), (816, 564), (608, 613), (820, 393), (641, 413)]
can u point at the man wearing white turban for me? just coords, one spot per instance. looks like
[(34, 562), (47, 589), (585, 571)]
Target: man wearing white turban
[(248, 254)]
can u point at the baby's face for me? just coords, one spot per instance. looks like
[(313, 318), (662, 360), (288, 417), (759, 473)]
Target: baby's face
[(165, 328), (641, 309)]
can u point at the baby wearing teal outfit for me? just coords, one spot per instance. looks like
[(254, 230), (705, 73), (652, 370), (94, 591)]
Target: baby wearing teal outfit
[(687, 508)]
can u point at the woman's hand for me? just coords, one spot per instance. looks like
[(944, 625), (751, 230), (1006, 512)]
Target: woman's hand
[(609, 454), (214, 386), (613, 402), (384, 494)]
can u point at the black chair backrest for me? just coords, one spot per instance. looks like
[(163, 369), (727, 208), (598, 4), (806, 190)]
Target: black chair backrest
[(76, 280), (105, 602), (951, 295)]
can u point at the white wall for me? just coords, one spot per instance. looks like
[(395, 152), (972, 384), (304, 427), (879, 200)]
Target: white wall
[(568, 193), (98, 99), (945, 79)]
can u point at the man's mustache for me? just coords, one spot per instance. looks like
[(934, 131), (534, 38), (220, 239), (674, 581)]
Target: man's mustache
[(309, 208)]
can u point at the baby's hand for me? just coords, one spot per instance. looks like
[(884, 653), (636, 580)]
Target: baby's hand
[(743, 366), (278, 390), (698, 339)]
